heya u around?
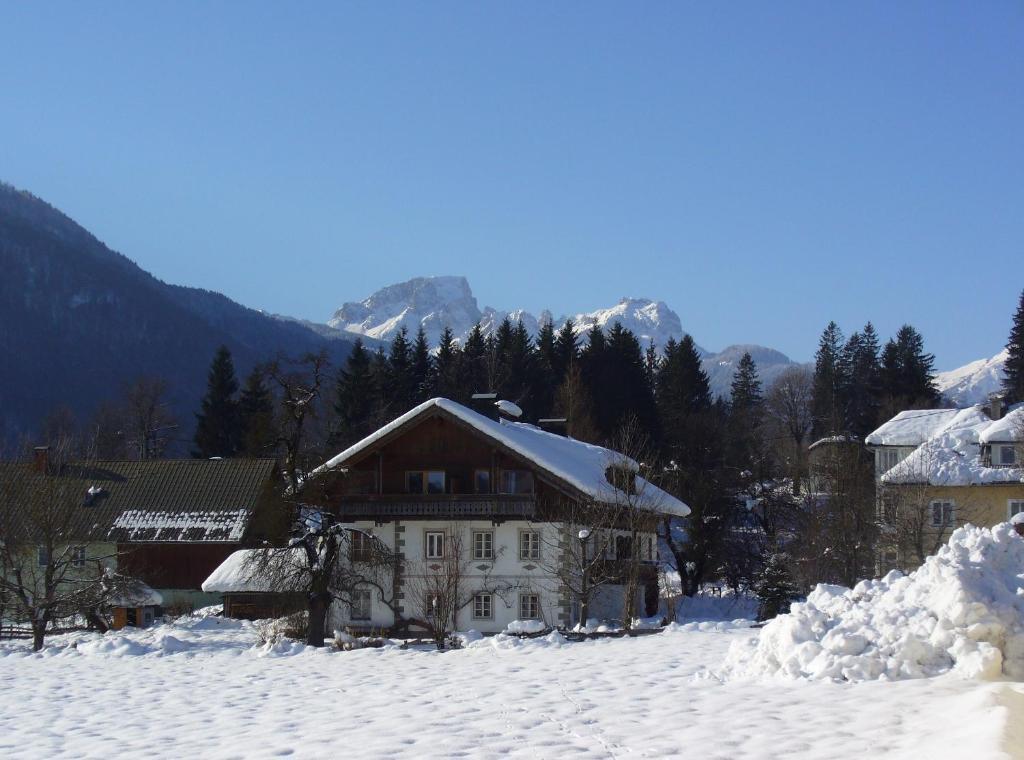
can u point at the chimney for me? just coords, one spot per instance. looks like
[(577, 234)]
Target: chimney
[(556, 425), (995, 405), (484, 404), (41, 459)]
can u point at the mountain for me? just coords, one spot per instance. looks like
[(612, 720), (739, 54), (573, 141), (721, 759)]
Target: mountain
[(79, 321), (971, 383), (437, 302)]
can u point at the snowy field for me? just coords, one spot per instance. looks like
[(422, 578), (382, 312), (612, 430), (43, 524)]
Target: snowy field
[(202, 687)]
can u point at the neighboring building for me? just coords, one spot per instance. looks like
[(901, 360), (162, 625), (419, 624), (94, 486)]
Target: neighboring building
[(167, 523), (896, 439), (967, 469), (825, 456), (443, 486)]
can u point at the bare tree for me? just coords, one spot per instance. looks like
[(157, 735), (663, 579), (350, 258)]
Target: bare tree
[(600, 543), (326, 561), (837, 528), (148, 421), (788, 402), (441, 588), (48, 570)]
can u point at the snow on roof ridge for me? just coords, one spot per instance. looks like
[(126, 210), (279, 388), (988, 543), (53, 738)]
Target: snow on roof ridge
[(575, 462)]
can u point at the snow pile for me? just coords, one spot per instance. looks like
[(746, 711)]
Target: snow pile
[(962, 611), (525, 626)]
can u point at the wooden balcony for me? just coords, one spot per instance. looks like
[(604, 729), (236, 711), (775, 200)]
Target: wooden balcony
[(438, 506)]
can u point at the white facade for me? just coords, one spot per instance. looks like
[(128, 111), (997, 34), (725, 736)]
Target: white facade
[(508, 572)]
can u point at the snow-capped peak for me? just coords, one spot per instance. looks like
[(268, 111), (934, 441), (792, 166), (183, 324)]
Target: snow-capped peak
[(429, 302)]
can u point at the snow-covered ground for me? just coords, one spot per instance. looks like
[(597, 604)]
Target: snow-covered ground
[(203, 688)]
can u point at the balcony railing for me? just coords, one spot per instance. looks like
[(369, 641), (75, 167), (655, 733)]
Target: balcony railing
[(439, 505)]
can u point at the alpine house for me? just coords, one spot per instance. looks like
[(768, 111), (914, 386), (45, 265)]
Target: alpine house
[(503, 516)]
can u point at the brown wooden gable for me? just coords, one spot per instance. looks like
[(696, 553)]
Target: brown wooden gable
[(441, 440)]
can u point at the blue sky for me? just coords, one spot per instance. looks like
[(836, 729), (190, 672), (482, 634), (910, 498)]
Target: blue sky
[(763, 168)]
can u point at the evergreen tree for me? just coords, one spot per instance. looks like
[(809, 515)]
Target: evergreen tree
[(775, 588), (218, 425), (862, 376), (828, 405), (907, 373), (1013, 379), (443, 379), (401, 382), (355, 397), (627, 394), (746, 415), (473, 365), (421, 366), (256, 407), (566, 350)]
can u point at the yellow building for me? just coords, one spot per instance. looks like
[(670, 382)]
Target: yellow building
[(941, 468)]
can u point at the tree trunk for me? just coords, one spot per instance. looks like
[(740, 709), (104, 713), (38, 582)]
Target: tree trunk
[(318, 604), (38, 634), (97, 621)]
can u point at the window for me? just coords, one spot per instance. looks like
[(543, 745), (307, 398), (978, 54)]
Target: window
[(435, 544), (482, 481), (361, 606), (483, 544), (887, 460), (78, 556), (529, 544), (361, 548), (516, 481), (529, 607), (43, 556), (483, 607), (424, 481), (432, 606), (624, 547), (942, 514), (1016, 506), (1007, 455)]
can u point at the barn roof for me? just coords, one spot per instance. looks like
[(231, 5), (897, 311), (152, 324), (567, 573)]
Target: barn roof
[(153, 501)]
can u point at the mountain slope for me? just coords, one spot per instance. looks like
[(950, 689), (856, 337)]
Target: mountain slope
[(78, 321), (971, 383)]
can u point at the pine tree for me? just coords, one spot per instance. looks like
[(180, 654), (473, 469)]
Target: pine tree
[(218, 426), (473, 365), (746, 415), (775, 588), (566, 350), (1013, 370), (861, 382), (355, 397), (907, 373), (421, 366), (627, 394), (401, 383), (829, 383), (256, 407), (443, 380)]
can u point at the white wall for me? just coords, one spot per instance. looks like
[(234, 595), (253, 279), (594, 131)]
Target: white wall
[(506, 575)]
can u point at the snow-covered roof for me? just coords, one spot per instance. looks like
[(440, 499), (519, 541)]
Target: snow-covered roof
[(832, 440), (952, 457), (911, 428), (1008, 428), (141, 525), (235, 574), (581, 465), (139, 595)]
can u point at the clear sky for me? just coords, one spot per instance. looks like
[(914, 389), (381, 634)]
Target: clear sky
[(761, 167)]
